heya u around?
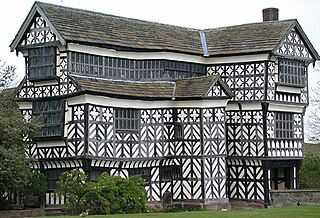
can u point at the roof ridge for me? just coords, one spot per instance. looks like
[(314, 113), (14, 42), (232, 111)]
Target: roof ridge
[(247, 24)]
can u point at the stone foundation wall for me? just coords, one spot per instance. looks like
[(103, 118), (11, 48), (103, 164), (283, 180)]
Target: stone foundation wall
[(281, 198), (237, 204)]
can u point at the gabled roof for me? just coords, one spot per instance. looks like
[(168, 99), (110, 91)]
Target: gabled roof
[(246, 38), (191, 88), (92, 28)]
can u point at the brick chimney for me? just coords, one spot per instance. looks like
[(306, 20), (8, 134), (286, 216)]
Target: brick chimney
[(270, 14)]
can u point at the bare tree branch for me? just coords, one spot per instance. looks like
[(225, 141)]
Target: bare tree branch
[(7, 75), (313, 122)]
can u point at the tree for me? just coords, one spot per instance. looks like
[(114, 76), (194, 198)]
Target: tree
[(312, 132), (7, 75), (14, 170), (313, 122), (310, 172)]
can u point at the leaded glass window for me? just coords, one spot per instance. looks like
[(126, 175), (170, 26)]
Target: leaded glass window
[(178, 131), (51, 113), (284, 125), (291, 72), (42, 63), (121, 68), (167, 173), (144, 173), (126, 120)]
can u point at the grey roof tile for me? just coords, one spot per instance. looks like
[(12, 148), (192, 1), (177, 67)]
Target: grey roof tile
[(108, 30), (196, 87)]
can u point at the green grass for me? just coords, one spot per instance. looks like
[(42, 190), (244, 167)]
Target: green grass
[(291, 212)]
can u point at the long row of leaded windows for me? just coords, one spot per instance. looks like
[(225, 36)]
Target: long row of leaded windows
[(120, 68), (42, 65)]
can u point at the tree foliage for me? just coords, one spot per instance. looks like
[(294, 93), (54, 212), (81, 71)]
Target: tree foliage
[(109, 195), (7, 75), (14, 170), (71, 184), (310, 172)]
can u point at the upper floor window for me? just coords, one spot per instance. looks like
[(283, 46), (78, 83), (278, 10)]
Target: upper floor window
[(178, 131), (121, 68), (284, 125), (51, 113), (126, 120), (42, 63), (291, 72)]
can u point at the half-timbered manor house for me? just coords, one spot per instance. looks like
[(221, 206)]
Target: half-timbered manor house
[(203, 115)]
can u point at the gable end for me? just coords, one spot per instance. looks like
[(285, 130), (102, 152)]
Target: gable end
[(36, 29)]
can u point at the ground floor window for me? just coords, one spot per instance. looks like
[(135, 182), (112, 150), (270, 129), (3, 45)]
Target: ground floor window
[(144, 173)]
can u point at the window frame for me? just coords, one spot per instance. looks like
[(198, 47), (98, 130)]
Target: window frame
[(38, 63), (45, 114), (144, 173), (284, 125), (291, 72), (178, 131), (126, 120)]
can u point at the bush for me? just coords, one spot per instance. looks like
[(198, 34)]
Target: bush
[(310, 172), (71, 184), (117, 195), (109, 195)]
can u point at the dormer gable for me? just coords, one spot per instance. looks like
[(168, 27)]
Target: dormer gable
[(36, 30), (296, 45)]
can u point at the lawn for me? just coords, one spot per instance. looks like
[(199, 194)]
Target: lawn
[(291, 212)]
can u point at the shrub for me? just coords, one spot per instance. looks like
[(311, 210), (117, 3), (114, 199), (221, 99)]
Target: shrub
[(71, 184), (310, 172), (109, 195), (117, 195)]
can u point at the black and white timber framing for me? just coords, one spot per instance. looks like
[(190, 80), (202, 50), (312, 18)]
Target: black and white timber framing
[(204, 122)]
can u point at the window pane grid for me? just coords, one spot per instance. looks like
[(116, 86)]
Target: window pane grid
[(120, 68), (126, 120), (41, 63), (284, 125), (51, 114), (292, 72)]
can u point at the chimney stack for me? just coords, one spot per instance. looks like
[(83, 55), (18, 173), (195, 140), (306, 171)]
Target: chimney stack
[(270, 14)]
